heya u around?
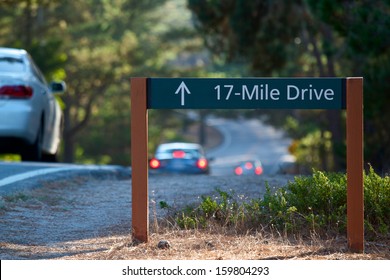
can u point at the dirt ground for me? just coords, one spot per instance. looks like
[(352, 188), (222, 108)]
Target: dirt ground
[(85, 218)]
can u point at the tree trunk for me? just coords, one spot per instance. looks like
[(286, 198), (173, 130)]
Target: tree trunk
[(28, 25), (333, 116)]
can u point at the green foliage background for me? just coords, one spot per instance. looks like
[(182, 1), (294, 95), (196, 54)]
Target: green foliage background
[(97, 45), (311, 38)]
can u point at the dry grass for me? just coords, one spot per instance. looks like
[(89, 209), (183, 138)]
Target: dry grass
[(204, 245), (197, 245)]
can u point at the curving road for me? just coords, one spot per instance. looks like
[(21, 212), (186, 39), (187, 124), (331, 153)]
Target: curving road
[(243, 140), (248, 139)]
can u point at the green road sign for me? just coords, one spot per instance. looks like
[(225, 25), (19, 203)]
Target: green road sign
[(246, 93)]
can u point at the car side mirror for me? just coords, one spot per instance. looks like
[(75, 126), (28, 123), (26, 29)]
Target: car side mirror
[(58, 87)]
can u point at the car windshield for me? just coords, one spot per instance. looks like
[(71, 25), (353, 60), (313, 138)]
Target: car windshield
[(11, 64), (176, 153)]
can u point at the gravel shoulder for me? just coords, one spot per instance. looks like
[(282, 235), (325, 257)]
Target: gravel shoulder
[(57, 219), (89, 218)]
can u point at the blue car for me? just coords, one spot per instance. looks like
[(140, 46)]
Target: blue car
[(180, 158)]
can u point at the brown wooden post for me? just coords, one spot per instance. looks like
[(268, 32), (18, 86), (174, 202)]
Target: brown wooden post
[(355, 191), (139, 159)]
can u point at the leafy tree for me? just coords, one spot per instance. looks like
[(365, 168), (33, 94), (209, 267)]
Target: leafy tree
[(309, 38), (26, 24), (365, 27), (146, 44), (96, 46)]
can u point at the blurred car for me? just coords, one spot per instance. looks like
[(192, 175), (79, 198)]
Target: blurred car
[(249, 167), (31, 119), (180, 158)]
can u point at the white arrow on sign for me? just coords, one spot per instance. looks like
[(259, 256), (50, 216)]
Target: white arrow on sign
[(183, 90)]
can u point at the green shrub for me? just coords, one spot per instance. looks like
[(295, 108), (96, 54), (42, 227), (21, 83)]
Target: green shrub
[(222, 209), (308, 204), (377, 203), (314, 204)]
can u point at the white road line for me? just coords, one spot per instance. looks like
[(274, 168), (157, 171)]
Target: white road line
[(44, 171), (31, 174)]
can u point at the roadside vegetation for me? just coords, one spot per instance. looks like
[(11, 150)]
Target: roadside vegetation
[(308, 206), (90, 219), (305, 219)]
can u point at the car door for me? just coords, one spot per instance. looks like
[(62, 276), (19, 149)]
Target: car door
[(47, 104)]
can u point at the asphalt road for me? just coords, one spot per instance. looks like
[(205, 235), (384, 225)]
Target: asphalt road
[(245, 140), (242, 140), (64, 215)]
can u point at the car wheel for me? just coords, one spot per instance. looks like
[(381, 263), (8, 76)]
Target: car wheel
[(34, 152), (49, 158)]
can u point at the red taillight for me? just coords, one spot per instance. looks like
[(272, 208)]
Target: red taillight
[(154, 163), (17, 92), (248, 165), (258, 170), (238, 170), (178, 154), (201, 163)]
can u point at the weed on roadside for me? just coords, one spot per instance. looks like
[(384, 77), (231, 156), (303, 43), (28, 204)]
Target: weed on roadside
[(306, 207)]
